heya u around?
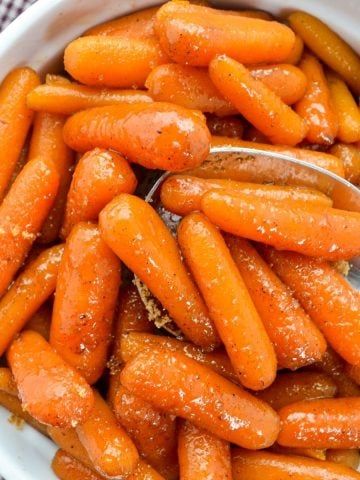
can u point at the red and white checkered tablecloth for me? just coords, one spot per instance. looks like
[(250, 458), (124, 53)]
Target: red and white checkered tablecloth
[(10, 9)]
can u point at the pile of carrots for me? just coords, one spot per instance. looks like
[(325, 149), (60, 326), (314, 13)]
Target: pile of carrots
[(262, 380)]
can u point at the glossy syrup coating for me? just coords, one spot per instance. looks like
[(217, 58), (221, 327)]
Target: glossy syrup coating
[(350, 156), (323, 423), (67, 467), (136, 233), (29, 291), (327, 297), (293, 387), (307, 229), (193, 35), (99, 176), (68, 440), (158, 135), (49, 389), (82, 323), (187, 389)]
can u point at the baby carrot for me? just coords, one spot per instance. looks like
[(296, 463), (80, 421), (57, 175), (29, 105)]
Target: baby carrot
[(317, 453), (202, 456), (40, 321), (117, 62), (328, 46), (7, 383), (296, 339), (326, 296), (136, 233), (22, 214), (193, 35), (158, 135), (136, 25), (347, 457), (47, 142), (182, 194), (230, 126), (69, 98), (350, 156), (234, 314), (85, 299), (145, 472), (153, 431), (294, 387), (110, 449), (134, 342), (99, 176), (67, 467), (54, 79), (309, 229), (185, 388), (271, 466), (346, 109), (26, 295), (256, 101), (316, 106), (15, 119), (13, 404), (189, 87), (296, 52), (335, 367), (287, 81), (50, 390), (67, 439), (322, 423)]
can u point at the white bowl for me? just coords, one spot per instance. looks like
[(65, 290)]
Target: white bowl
[(37, 38)]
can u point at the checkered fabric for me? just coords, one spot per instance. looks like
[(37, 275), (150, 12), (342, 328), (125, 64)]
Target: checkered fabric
[(10, 9)]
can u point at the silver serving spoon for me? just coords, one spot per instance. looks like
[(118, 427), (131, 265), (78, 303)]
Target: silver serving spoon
[(261, 166)]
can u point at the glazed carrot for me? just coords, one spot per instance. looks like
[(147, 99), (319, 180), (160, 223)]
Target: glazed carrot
[(202, 456), (69, 98), (287, 81), (67, 439), (354, 372), (145, 472), (136, 25), (234, 314), (135, 232), (256, 101), (15, 119), (118, 62), (182, 194), (346, 109), (22, 214), (50, 390), (19, 164), (320, 159), (26, 295), (323, 423), (349, 458), (326, 296), (231, 126), (7, 382), (312, 230), (13, 404), (85, 299), (47, 142), (40, 321), (158, 135), (350, 155), (67, 467), (296, 52), (193, 35), (260, 465), (328, 46), (317, 453), (189, 87), (99, 176), (293, 387), (251, 14), (185, 388), (153, 431), (316, 106), (134, 342), (296, 339), (335, 367), (110, 449), (54, 79)]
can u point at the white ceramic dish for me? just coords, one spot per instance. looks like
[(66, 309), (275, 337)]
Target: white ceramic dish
[(37, 38)]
